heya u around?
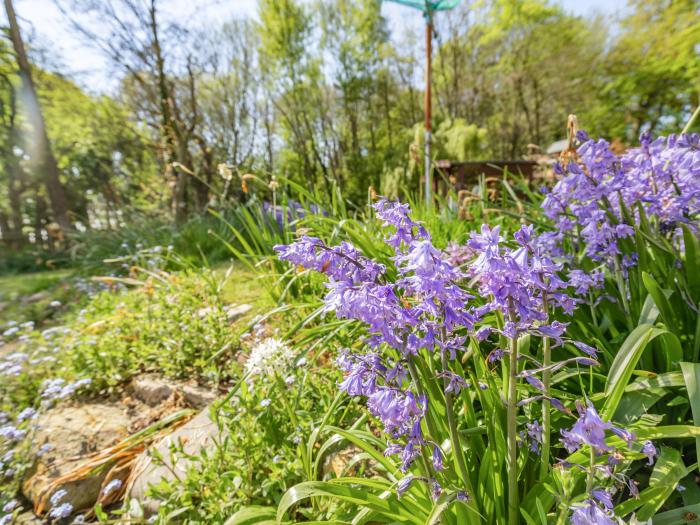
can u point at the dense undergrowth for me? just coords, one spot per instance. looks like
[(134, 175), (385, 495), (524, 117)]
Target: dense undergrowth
[(542, 368)]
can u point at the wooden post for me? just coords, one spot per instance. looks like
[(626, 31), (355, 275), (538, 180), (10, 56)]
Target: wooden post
[(428, 108)]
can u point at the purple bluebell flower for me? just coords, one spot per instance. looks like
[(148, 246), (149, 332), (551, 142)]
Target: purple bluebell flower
[(661, 176), (456, 383), (554, 330), (534, 435), (458, 254), (649, 450), (634, 491), (403, 485), (535, 381), (437, 459), (496, 355), (422, 309), (585, 282), (589, 429), (435, 490), (585, 348), (483, 333), (462, 496), (604, 497), (623, 434), (589, 513)]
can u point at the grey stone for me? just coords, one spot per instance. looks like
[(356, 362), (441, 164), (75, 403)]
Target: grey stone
[(36, 297), (28, 518), (74, 433), (197, 396), (235, 312), (203, 312), (199, 433), (151, 389)]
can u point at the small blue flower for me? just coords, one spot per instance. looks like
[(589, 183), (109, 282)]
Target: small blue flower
[(62, 511), (57, 496), (113, 485)]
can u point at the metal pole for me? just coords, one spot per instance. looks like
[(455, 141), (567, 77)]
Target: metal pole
[(428, 108)]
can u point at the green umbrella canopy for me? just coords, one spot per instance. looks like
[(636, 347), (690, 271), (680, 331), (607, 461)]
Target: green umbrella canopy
[(428, 6)]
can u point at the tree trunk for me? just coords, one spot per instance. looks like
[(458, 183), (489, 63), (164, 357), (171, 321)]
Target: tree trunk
[(39, 215), (15, 198), (5, 230), (176, 151), (45, 162)]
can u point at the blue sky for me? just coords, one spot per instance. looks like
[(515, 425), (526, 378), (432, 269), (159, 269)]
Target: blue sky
[(42, 20)]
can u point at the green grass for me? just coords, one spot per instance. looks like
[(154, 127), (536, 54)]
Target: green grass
[(243, 286), (13, 286), (52, 285)]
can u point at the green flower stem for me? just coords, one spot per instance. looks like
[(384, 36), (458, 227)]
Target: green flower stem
[(562, 515), (692, 120), (454, 434), (295, 421), (512, 436), (419, 386), (546, 407), (622, 288), (591, 471)]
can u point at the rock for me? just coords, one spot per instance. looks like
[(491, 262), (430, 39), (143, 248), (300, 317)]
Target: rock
[(35, 297), (197, 396), (201, 432), (151, 389), (73, 433), (235, 312), (9, 348), (28, 518), (203, 312)]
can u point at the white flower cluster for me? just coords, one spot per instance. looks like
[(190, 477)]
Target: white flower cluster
[(268, 357)]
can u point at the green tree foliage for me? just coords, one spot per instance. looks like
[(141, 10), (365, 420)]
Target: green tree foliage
[(651, 76), (518, 68), (322, 93), (105, 159)]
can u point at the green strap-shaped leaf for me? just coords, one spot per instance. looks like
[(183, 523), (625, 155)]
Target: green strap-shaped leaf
[(668, 471), (626, 360), (691, 375), (688, 515), (385, 503), (253, 515), (692, 258), (367, 442), (660, 298), (438, 508), (547, 499)]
